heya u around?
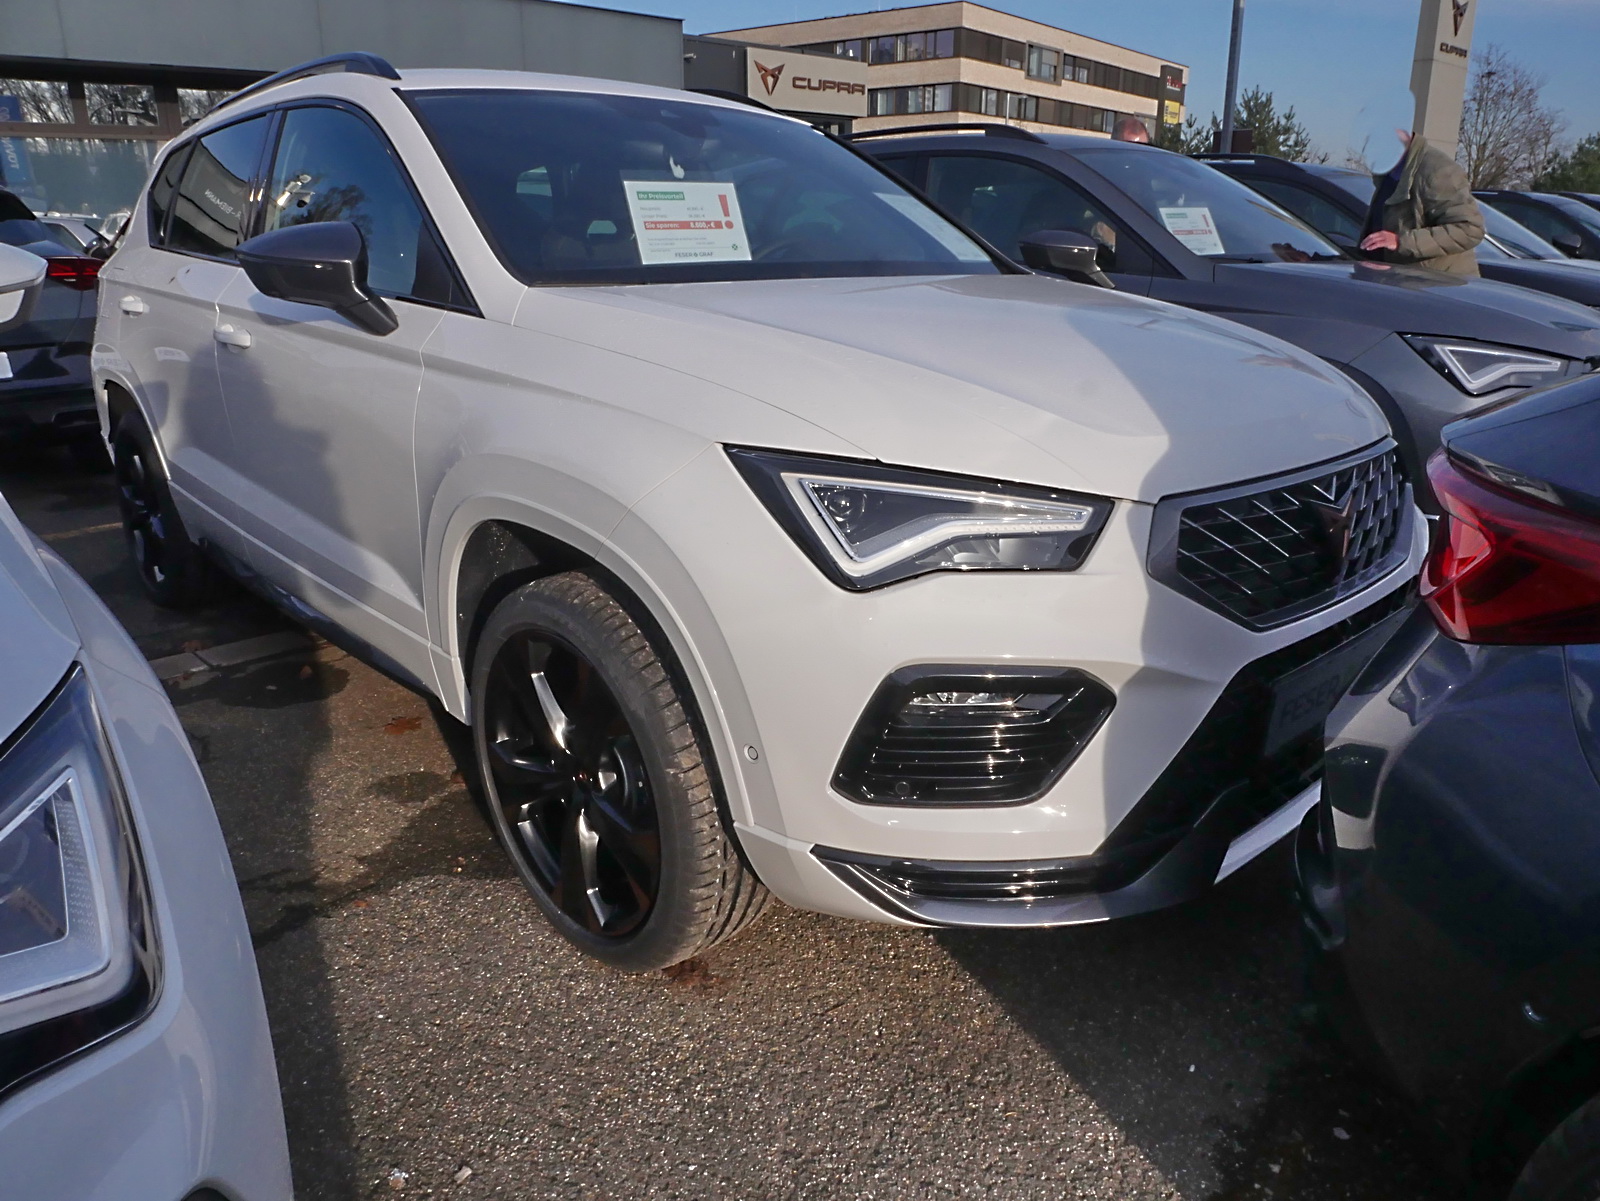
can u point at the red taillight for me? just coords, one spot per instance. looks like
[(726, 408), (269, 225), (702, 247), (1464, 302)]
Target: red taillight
[(1507, 568), (75, 270)]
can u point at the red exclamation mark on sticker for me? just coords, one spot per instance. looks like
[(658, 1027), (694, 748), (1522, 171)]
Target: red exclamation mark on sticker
[(724, 199)]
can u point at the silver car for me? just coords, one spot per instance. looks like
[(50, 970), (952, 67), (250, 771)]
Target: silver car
[(135, 1061)]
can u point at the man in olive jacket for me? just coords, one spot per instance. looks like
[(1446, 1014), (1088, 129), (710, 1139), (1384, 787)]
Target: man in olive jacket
[(1423, 212)]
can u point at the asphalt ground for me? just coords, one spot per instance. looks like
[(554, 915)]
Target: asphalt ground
[(435, 1039)]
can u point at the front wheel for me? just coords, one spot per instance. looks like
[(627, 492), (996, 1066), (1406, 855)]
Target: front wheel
[(598, 781)]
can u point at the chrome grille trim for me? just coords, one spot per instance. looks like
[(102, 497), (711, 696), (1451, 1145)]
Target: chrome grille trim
[(1272, 551)]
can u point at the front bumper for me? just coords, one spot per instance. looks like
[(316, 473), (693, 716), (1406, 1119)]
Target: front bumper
[(186, 1099), (791, 662)]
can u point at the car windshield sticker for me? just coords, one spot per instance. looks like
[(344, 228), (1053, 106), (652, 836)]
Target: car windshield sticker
[(679, 221), (1194, 228), (935, 226)]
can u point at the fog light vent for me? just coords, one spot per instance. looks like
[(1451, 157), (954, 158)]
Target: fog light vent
[(970, 735)]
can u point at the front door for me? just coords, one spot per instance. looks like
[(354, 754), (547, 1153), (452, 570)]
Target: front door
[(164, 297), (322, 411)]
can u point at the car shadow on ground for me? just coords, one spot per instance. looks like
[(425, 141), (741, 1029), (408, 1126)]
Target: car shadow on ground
[(1191, 1031)]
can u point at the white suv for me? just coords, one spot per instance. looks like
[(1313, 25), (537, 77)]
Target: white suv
[(771, 533)]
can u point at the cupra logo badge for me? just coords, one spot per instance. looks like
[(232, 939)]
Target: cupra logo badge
[(1458, 9), (1336, 509), (771, 75)]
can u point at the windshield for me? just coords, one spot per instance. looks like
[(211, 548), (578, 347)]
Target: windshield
[(1210, 213), (602, 189)]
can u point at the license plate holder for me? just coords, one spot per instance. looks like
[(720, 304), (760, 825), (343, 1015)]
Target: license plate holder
[(1302, 699)]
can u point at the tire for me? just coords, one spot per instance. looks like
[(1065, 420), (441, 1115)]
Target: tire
[(174, 571), (598, 782), (1566, 1166)]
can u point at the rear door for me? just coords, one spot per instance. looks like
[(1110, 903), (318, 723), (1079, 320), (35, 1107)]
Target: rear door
[(322, 410), (1003, 199), (164, 293)]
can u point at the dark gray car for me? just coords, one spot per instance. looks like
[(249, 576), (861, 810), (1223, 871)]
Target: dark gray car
[(1429, 347)]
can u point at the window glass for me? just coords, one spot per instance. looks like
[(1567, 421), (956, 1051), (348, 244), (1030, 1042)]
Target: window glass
[(944, 45), (1542, 221), (1044, 64), (194, 103), (646, 190), (35, 100), (120, 103), (1521, 241), (209, 213), (332, 166), (1004, 199), (1319, 214), (161, 191), (1209, 213), (76, 177)]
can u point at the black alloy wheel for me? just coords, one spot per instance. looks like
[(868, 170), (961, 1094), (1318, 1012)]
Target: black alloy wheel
[(599, 782), (173, 570), (571, 785)]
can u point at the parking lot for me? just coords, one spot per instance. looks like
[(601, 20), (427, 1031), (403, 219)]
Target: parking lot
[(434, 1038)]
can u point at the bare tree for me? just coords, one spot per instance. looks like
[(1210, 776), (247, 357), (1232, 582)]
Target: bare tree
[(1508, 134)]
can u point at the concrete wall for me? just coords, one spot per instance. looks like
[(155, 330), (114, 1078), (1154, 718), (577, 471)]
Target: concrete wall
[(531, 35)]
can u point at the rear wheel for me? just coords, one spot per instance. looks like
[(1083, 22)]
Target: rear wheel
[(1566, 1167), (598, 783), (174, 571)]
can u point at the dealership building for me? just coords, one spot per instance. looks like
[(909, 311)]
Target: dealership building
[(966, 63), (90, 88)]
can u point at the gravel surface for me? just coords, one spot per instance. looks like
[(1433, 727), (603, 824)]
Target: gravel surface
[(435, 1039)]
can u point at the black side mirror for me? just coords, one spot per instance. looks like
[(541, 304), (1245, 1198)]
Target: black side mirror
[(325, 264), (1570, 245), (1065, 252)]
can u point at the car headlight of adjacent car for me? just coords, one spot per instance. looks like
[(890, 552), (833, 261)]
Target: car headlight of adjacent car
[(864, 525), (76, 945), (1479, 368)]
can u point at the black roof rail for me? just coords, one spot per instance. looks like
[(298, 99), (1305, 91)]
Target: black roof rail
[(989, 128), (736, 97), (357, 61)]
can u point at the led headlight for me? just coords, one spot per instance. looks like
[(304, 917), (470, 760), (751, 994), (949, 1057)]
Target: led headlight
[(1478, 368), (866, 525), (76, 957)]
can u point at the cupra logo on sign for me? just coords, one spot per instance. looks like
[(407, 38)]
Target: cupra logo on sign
[(771, 75), (1458, 10)]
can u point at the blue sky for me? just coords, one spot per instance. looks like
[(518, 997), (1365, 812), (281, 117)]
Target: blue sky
[(1336, 61)]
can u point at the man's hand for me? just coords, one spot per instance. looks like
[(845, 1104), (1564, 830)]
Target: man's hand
[(1382, 240)]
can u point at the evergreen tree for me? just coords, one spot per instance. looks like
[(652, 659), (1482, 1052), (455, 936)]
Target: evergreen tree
[(1578, 170), (1276, 133)]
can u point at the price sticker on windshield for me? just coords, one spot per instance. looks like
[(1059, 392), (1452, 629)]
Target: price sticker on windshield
[(1194, 228), (681, 221)]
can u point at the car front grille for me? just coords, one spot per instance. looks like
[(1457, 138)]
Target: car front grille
[(1269, 554)]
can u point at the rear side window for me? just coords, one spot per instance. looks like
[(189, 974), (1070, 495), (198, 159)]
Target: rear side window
[(162, 190), (332, 166), (209, 213)]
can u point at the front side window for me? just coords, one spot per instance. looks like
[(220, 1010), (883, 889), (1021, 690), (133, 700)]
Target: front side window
[(213, 201), (332, 166), (1541, 220), (587, 188), (1209, 213), (1005, 200)]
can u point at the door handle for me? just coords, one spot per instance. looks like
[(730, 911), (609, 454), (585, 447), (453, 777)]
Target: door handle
[(229, 335), (133, 306)]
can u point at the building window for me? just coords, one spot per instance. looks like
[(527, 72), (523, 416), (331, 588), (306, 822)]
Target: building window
[(896, 102), (1024, 108), (906, 47), (37, 101), (1044, 64), (120, 103), (194, 103)]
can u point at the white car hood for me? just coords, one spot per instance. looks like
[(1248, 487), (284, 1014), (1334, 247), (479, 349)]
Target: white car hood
[(38, 640), (1017, 377)]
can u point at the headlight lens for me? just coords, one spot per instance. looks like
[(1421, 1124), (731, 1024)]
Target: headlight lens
[(76, 961), (1478, 368), (865, 525)]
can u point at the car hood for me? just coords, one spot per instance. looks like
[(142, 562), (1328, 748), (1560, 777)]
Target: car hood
[(1409, 300), (1017, 377), (38, 640)]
